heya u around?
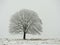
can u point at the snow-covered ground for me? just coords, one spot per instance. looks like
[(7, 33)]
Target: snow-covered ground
[(6, 41)]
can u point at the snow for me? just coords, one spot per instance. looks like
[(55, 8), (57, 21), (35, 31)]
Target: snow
[(7, 41)]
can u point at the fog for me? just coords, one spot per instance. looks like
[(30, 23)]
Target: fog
[(48, 11)]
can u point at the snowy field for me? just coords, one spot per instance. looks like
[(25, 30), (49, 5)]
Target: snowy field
[(7, 41)]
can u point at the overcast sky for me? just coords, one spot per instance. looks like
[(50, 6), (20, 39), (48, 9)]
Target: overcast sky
[(48, 11)]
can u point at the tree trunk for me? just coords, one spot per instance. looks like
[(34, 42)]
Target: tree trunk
[(24, 36)]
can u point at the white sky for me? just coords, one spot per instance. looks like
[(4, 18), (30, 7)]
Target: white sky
[(48, 10)]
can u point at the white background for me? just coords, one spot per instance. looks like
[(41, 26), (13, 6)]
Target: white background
[(48, 11)]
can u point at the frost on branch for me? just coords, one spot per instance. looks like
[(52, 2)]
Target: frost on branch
[(26, 21)]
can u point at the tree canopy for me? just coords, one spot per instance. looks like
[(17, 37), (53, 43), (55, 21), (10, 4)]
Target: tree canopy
[(25, 21)]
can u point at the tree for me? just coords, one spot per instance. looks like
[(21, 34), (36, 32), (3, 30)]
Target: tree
[(26, 21)]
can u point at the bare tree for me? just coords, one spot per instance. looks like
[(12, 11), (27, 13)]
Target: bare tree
[(26, 21)]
